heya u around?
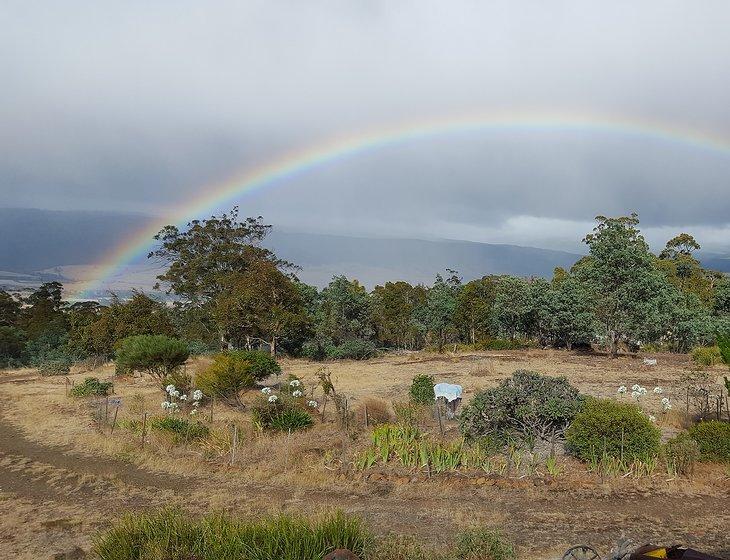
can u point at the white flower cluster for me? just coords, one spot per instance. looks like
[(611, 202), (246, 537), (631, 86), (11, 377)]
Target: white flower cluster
[(652, 418), (266, 390), (296, 394), (658, 390), (666, 404), (172, 391), (622, 390), (174, 394), (637, 391), (273, 398), (295, 383), (312, 404)]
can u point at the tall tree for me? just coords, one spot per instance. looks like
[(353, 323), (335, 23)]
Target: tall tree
[(436, 317), (573, 320), (632, 296), (393, 305), (9, 309), (260, 304), (201, 257), (475, 307), (344, 313), (512, 306)]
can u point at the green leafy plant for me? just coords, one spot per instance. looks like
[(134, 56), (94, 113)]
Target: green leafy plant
[(483, 544), (421, 391), (706, 355), (180, 428), (354, 349), (283, 413), (58, 366), (261, 364), (528, 407), (713, 439), (291, 419), (157, 355), (606, 428), (171, 534), (229, 373), (723, 343), (680, 454), (92, 387)]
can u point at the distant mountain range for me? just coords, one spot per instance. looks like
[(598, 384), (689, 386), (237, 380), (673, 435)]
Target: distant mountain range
[(40, 245)]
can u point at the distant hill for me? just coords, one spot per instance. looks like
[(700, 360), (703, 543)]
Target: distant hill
[(38, 245)]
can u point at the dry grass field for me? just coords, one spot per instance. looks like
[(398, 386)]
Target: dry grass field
[(64, 476)]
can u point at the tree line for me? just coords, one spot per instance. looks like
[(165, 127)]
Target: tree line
[(228, 291)]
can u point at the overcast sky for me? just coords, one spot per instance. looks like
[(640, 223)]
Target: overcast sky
[(137, 105)]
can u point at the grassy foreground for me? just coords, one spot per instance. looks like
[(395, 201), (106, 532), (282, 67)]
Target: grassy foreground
[(170, 534)]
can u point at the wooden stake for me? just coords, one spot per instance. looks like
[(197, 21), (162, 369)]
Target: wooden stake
[(144, 428), (366, 415), (114, 422), (235, 443), (438, 415)]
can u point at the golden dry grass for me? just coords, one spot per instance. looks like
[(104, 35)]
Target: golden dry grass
[(309, 470)]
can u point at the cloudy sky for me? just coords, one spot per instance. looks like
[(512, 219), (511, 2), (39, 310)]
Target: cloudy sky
[(139, 105)]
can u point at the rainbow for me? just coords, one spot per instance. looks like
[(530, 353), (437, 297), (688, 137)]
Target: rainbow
[(291, 165)]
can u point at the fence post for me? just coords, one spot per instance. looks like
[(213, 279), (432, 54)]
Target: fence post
[(144, 428), (235, 443), (438, 415), (114, 422), (366, 415)]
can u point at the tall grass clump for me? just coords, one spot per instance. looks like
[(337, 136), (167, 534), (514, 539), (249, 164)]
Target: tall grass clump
[(483, 544), (169, 534)]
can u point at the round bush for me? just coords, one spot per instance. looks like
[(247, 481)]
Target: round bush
[(609, 428), (528, 406), (713, 439), (355, 349), (158, 355), (92, 387), (261, 364), (422, 389), (226, 376), (706, 355), (680, 454)]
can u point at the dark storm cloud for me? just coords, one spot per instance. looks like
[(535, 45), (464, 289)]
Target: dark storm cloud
[(137, 105)]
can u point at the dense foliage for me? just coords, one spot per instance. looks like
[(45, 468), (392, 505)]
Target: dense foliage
[(283, 414), (231, 293), (713, 439), (606, 428), (92, 387), (229, 373), (421, 391), (157, 355), (171, 534), (180, 429), (527, 406)]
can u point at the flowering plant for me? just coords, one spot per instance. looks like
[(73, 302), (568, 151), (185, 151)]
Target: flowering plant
[(175, 398)]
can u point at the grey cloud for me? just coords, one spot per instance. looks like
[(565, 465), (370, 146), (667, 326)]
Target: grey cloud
[(138, 105)]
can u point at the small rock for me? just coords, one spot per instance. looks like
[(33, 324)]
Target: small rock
[(341, 554)]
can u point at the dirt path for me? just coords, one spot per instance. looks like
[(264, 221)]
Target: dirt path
[(58, 480)]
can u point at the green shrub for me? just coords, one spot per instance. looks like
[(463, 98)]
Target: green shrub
[(706, 355), (60, 366), (179, 378), (92, 387), (291, 419), (229, 374), (261, 364), (723, 343), (157, 355), (198, 347), (12, 346), (527, 406), (680, 454), (421, 391), (355, 349), (483, 544), (713, 439), (606, 428), (182, 429), (171, 534), (284, 414)]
